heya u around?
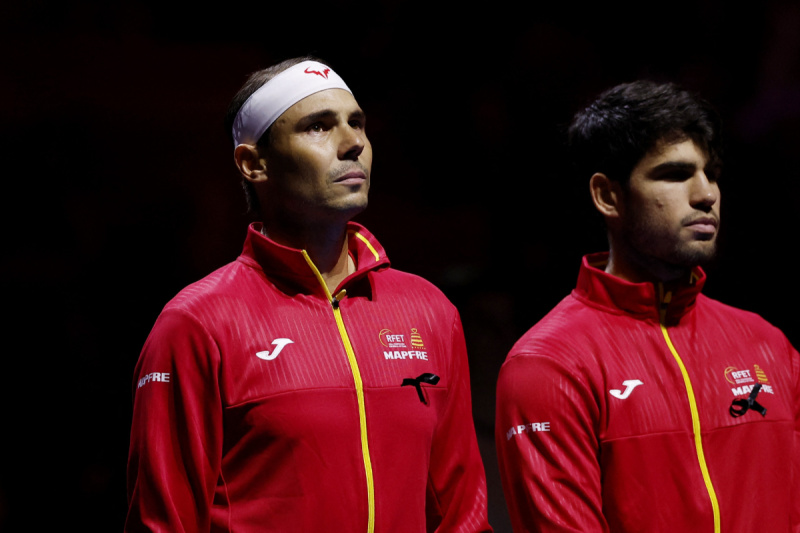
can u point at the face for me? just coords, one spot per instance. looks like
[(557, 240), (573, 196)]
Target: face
[(669, 211), (319, 159)]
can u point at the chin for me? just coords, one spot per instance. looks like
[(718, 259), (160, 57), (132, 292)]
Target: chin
[(699, 254), (352, 208)]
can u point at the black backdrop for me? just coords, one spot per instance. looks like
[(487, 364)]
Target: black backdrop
[(119, 187)]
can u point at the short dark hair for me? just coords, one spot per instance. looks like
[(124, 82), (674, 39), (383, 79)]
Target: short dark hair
[(625, 122), (254, 82)]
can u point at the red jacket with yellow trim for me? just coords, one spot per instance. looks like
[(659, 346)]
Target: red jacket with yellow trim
[(247, 409), (595, 428)]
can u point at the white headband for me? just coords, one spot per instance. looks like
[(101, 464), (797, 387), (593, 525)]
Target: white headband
[(279, 94)]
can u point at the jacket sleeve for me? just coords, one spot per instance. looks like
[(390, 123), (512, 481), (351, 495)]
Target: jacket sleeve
[(795, 494), (176, 435), (547, 446), (456, 495)]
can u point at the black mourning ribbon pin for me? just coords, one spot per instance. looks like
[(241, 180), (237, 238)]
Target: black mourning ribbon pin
[(740, 407), (431, 379)]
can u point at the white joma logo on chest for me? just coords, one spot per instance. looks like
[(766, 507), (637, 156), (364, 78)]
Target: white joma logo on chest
[(279, 344), (630, 384)]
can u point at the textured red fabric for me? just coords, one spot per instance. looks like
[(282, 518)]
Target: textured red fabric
[(575, 456), (233, 441)]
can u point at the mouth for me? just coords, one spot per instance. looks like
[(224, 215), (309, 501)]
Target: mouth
[(704, 225), (352, 177)]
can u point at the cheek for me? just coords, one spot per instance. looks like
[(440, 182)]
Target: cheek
[(366, 156), (662, 209), (309, 167), (651, 218), (282, 160)]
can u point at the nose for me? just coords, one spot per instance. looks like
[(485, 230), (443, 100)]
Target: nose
[(704, 192), (352, 143)]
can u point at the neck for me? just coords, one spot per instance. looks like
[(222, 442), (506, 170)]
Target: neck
[(629, 265), (326, 246)]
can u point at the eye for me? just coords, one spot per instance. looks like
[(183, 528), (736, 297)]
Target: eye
[(674, 172), (714, 173), (316, 127), (357, 120), (677, 175)]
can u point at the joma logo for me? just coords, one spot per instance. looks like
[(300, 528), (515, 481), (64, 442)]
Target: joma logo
[(279, 344)]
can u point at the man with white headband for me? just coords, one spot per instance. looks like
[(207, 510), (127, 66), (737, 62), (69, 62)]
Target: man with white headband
[(307, 386)]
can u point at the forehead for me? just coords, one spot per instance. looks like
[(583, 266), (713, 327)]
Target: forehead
[(684, 151), (337, 101)]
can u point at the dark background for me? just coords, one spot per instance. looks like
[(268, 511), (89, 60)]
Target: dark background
[(119, 187)]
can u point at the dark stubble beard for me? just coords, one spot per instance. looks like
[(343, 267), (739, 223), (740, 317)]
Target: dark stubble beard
[(666, 261)]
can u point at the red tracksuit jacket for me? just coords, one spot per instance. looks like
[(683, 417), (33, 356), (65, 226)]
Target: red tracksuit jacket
[(613, 414), (263, 403)]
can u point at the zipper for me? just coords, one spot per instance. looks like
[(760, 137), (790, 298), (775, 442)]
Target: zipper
[(664, 300), (359, 386)]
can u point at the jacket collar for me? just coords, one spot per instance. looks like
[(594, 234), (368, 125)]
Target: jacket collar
[(288, 267), (665, 302)]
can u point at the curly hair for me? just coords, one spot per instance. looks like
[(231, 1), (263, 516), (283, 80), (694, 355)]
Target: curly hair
[(625, 122)]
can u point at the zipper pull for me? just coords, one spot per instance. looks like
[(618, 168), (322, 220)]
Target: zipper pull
[(338, 298)]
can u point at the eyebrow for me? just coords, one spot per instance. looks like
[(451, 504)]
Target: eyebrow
[(673, 165), (328, 114), (316, 116), (358, 114), (713, 168)]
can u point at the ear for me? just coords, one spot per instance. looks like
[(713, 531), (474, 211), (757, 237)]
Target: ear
[(606, 195), (250, 164)]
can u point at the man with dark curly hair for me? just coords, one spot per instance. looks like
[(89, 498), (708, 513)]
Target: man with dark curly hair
[(638, 403)]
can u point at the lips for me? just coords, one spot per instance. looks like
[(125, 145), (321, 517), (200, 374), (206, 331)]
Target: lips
[(703, 224), (355, 176)]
